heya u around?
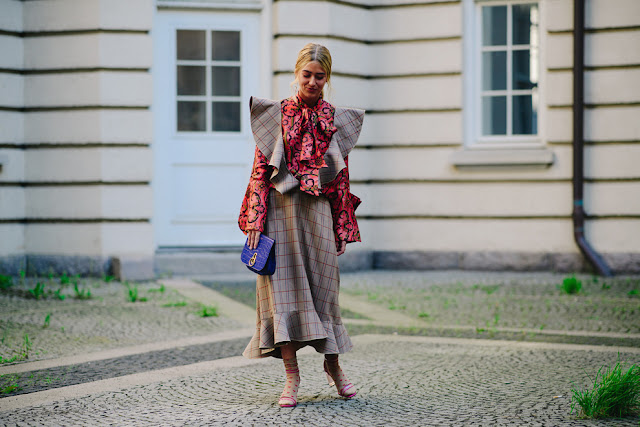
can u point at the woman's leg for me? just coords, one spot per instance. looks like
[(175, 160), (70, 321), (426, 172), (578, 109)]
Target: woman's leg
[(332, 368), (290, 392)]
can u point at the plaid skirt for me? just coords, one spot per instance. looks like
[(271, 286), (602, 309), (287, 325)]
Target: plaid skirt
[(299, 302)]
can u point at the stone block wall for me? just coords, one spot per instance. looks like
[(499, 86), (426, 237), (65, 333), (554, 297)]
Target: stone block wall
[(77, 129)]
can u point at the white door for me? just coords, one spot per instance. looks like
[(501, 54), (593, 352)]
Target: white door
[(206, 67)]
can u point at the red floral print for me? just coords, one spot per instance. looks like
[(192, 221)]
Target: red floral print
[(253, 212), (307, 132), (343, 207)]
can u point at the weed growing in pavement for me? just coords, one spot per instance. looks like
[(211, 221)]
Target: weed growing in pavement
[(132, 293), (23, 275), (161, 289), (571, 285), (38, 291), (207, 311), (65, 279), (26, 346), (175, 304), (633, 293), (9, 384), (615, 393), (24, 352), (5, 281), (489, 289), (47, 321), (423, 315), (107, 278), (58, 293), (80, 293)]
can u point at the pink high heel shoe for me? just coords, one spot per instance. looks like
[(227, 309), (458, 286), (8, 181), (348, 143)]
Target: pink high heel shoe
[(290, 388), (348, 391)]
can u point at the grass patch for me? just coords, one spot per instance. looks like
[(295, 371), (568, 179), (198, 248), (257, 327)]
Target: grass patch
[(348, 314), (175, 304), (9, 384), (81, 293), (615, 393), (22, 355), (5, 282), (571, 285), (132, 293), (207, 311), (47, 321), (162, 289), (38, 291)]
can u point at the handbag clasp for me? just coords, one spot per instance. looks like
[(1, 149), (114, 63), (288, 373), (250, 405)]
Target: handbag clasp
[(252, 261)]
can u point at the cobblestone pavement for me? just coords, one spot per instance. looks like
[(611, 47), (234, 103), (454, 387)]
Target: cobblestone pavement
[(402, 380)]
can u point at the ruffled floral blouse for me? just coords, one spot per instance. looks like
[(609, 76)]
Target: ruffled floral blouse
[(307, 133)]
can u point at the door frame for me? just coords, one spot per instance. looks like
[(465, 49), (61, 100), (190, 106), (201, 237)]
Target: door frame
[(166, 22)]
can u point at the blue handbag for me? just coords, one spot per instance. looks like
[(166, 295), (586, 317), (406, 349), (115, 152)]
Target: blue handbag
[(261, 260)]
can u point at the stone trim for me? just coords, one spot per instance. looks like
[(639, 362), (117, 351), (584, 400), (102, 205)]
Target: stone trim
[(199, 263), (502, 157), (621, 263)]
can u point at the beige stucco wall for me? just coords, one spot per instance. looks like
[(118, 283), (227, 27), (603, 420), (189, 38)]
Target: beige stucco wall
[(405, 65), (77, 143), (76, 156)]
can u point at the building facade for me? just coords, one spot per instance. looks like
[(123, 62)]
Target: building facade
[(125, 139)]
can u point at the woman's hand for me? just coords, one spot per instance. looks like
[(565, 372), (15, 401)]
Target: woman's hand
[(253, 238), (342, 248)]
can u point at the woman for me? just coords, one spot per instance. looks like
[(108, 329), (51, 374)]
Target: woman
[(298, 194)]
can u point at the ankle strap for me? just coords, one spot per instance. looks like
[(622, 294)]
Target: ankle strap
[(292, 371)]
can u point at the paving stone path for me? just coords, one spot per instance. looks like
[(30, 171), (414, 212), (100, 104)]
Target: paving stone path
[(402, 380)]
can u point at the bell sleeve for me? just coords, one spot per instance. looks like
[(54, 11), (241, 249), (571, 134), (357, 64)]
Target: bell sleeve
[(253, 212), (343, 207)]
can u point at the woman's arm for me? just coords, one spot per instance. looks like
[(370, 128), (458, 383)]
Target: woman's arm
[(253, 213), (343, 207)]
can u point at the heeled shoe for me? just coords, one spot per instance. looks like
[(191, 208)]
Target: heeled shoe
[(345, 391), (289, 401)]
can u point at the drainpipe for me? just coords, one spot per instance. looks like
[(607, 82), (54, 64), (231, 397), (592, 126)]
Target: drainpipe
[(578, 143)]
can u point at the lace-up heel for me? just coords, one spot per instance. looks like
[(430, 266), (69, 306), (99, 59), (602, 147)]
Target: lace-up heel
[(290, 392), (336, 377)]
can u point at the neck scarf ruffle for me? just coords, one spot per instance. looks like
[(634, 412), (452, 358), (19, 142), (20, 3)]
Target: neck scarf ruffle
[(307, 132)]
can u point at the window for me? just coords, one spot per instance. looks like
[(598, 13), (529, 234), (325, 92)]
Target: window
[(208, 81), (507, 95)]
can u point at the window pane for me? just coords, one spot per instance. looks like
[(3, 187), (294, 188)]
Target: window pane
[(524, 23), (494, 26), (524, 76), (191, 116), (494, 115), (191, 80), (191, 44), (225, 81), (225, 45), (494, 70), (226, 116), (525, 117)]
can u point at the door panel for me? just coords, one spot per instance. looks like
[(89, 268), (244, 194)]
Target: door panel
[(205, 69)]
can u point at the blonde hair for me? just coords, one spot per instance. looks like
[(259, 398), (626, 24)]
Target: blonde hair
[(313, 52)]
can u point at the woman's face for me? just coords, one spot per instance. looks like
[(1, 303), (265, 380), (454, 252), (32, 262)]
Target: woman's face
[(311, 80)]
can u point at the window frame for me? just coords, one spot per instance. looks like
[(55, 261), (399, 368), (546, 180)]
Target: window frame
[(472, 110), (208, 63)]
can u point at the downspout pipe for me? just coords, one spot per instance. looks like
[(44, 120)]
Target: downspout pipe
[(578, 214)]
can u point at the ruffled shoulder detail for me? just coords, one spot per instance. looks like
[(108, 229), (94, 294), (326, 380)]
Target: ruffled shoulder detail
[(266, 125), (348, 122)]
